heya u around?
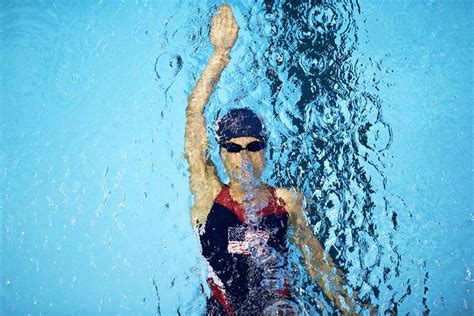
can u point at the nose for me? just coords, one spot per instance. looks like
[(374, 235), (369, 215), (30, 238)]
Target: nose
[(246, 163), (245, 157), (244, 153)]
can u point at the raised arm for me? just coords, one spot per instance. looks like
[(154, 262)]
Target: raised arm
[(204, 181)]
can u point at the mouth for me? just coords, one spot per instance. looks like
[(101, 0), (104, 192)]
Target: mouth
[(246, 177)]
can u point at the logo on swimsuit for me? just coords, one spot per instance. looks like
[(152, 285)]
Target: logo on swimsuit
[(241, 239)]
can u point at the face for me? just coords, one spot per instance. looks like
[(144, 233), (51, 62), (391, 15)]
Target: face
[(244, 167)]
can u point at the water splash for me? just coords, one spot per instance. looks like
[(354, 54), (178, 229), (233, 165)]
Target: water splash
[(302, 71), (332, 137)]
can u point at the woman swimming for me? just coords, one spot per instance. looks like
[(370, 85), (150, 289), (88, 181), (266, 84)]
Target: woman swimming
[(243, 226)]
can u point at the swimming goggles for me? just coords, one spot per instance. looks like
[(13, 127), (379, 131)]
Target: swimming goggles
[(235, 148)]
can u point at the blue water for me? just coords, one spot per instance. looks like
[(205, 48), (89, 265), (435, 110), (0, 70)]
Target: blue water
[(369, 105)]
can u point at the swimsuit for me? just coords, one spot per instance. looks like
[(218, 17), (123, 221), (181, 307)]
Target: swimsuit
[(246, 260)]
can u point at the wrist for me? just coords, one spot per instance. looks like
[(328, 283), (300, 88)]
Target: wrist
[(222, 54)]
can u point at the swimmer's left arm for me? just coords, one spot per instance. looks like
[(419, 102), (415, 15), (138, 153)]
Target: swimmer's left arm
[(318, 263)]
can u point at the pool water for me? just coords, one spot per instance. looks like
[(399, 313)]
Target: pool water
[(370, 108)]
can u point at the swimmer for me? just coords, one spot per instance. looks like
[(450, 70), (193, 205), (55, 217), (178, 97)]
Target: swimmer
[(242, 226)]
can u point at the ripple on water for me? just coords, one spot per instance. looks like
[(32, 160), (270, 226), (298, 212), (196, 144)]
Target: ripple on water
[(167, 67), (27, 33), (313, 65), (320, 94), (327, 124)]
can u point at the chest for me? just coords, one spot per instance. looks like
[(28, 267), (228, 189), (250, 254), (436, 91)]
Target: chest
[(232, 235)]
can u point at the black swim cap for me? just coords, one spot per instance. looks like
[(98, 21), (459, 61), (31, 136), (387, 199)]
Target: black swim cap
[(241, 122)]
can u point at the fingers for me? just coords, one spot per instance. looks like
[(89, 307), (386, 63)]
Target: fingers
[(225, 12), (225, 17), (222, 14), (224, 28)]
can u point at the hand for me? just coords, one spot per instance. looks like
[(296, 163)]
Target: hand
[(371, 309), (224, 29)]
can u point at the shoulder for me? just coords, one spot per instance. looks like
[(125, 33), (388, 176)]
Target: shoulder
[(293, 198), (295, 204)]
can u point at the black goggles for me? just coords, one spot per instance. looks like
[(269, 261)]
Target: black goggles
[(235, 148)]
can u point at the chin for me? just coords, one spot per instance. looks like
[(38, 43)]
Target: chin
[(250, 182)]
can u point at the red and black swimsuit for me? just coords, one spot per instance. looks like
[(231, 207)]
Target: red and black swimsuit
[(235, 277)]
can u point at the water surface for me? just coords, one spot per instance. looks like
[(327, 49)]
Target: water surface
[(370, 110)]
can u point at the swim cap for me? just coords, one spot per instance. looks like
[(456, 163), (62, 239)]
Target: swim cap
[(241, 122)]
